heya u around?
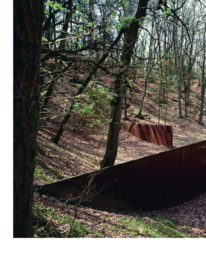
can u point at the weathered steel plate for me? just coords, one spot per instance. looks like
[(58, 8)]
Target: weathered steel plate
[(153, 182), (160, 135)]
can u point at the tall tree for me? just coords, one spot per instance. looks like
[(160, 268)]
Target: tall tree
[(203, 76), (130, 38), (28, 18)]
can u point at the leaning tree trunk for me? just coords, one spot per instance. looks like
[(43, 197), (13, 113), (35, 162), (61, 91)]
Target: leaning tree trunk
[(130, 38), (28, 18)]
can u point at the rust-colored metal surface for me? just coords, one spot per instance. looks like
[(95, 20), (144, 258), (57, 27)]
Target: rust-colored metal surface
[(153, 182), (160, 135)]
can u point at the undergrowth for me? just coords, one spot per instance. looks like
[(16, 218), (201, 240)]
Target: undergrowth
[(48, 222), (152, 227)]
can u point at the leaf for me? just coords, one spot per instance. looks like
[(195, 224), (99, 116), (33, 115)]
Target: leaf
[(106, 89), (46, 12), (80, 85), (79, 44), (76, 106), (48, 3), (45, 109)]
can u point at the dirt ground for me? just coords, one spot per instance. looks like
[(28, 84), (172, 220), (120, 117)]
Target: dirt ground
[(81, 149)]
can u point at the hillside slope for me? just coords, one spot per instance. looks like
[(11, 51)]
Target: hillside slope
[(81, 148)]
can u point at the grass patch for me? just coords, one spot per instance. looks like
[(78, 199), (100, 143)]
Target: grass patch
[(170, 222), (123, 220), (59, 149), (98, 234), (49, 168), (152, 227), (159, 229), (40, 175), (50, 223)]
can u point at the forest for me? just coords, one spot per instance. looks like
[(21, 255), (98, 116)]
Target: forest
[(83, 70)]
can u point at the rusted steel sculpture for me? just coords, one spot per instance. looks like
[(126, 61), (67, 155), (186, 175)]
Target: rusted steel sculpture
[(160, 135), (153, 182)]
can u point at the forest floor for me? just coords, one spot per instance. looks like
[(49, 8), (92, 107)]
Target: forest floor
[(80, 150)]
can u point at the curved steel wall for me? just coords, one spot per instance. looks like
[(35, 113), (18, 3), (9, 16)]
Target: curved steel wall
[(160, 135), (153, 182)]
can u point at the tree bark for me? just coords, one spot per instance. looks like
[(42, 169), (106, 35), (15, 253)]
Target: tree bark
[(59, 64), (203, 78), (177, 68), (28, 18), (130, 38), (139, 115)]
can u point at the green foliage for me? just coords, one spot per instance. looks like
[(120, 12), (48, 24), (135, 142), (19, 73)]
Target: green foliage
[(79, 44), (76, 105), (55, 6), (152, 227), (124, 2), (44, 39), (94, 101), (93, 124), (79, 7), (45, 109), (48, 223), (167, 11), (39, 174), (125, 20), (132, 82)]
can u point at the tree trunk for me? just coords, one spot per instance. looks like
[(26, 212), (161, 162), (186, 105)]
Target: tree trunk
[(130, 38), (202, 102), (115, 126), (125, 106), (139, 115), (179, 94), (149, 69), (28, 18), (203, 78), (189, 72), (177, 68), (59, 64)]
